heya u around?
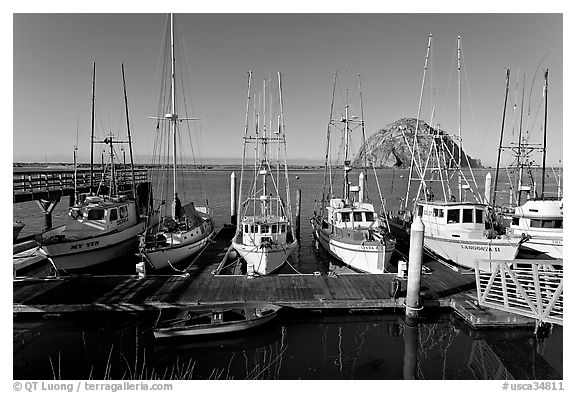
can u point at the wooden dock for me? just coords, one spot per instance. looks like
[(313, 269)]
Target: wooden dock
[(440, 287)]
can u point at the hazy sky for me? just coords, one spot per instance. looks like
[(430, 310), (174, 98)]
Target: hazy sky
[(53, 55)]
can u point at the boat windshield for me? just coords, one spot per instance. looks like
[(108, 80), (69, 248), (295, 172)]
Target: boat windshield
[(96, 214)]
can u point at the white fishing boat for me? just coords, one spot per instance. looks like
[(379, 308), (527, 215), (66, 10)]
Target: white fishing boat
[(265, 235), (456, 229), (214, 320), (186, 229), (537, 218), (101, 226), (348, 227), (542, 221)]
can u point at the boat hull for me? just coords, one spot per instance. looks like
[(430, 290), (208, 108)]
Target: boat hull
[(264, 260), (464, 252), (542, 248), (83, 253), (163, 257), (367, 258)]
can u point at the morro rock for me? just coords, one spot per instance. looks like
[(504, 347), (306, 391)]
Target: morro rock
[(388, 148)]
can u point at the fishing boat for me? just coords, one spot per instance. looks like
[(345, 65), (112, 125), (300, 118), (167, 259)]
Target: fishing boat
[(213, 320), (265, 236), (347, 226), (456, 225), (105, 223), (185, 229), (536, 217)]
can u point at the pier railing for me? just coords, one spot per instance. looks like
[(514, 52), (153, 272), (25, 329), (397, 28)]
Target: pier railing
[(533, 288), (36, 184)]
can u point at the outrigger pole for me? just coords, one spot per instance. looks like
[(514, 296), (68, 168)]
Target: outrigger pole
[(92, 136)]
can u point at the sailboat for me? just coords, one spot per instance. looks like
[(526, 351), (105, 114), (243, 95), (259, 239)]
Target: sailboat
[(456, 229), (187, 228), (265, 235), (540, 219), (102, 226), (347, 226)]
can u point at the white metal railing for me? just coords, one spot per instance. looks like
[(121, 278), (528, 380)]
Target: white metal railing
[(533, 288)]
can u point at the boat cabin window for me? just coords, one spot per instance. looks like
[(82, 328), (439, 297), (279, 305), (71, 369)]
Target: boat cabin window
[(546, 223), (96, 214), (438, 212), (357, 216), (345, 217), (467, 215), (113, 215), (369, 216), (274, 228), (453, 216), (479, 216), (282, 228), (515, 220), (246, 228), (123, 211), (420, 211), (263, 228)]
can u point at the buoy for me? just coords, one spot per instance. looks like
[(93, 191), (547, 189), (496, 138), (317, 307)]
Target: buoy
[(232, 254), (297, 177)]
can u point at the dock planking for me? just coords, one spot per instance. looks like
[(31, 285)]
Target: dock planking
[(441, 286)]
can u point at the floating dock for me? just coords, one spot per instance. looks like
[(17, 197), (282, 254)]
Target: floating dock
[(440, 287)]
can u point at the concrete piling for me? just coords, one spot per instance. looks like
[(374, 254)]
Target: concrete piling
[(414, 267), (47, 207)]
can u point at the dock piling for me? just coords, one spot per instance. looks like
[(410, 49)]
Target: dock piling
[(233, 206), (47, 207), (298, 206), (412, 303)]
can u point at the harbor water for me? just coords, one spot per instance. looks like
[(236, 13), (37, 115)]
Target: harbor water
[(297, 345)]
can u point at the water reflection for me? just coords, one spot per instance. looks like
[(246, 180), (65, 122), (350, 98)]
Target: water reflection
[(303, 345)]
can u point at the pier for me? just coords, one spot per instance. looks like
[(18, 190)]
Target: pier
[(441, 287)]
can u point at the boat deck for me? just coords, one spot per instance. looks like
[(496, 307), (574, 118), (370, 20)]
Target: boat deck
[(441, 287)]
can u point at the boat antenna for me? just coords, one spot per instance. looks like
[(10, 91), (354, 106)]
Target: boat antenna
[(545, 92), (501, 136), (92, 127), (129, 138), (75, 158)]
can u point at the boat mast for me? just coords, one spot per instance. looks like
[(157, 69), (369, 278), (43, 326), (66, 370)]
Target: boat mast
[(282, 133), (520, 148), (240, 203), (364, 169), (92, 127), (264, 163), (172, 116), (459, 127), (327, 163), (347, 167), (129, 136), (545, 126), (414, 144), (501, 136)]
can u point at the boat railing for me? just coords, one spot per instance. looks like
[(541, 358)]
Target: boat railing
[(532, 288)]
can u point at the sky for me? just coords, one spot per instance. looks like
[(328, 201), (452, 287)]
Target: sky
[(53, 55)]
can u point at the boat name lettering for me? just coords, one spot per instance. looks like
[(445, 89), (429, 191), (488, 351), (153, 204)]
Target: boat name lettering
[(88, 244), (480, 248), (369, 247)]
